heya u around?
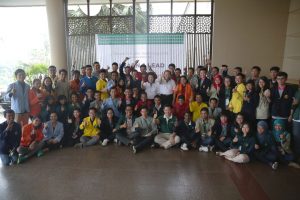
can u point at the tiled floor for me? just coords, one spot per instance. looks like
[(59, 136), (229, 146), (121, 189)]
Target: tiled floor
[(113, 172)]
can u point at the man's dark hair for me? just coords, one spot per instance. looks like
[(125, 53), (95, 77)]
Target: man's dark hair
[(76, 72), (52, 66), (283, 74), (88, 66), (204, 109), (19, 71), (114, 63), (172, 65), (96, 63), (275, 68), (8, 111), (239, 69), (217, 68), (257, 68), (62, 70)]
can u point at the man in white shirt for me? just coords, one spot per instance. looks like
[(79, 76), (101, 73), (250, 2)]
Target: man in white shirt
[(166, 88)]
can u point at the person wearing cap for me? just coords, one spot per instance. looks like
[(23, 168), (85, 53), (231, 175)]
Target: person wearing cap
[(31, 140)]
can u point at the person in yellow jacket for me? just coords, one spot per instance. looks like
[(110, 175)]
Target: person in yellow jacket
[(101, 85), (91, 129), (196, 106), (238, 93)]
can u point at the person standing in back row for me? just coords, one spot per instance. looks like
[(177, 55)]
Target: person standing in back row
[(18, 92)]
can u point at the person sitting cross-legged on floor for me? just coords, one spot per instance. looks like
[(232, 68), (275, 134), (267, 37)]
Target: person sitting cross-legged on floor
[(244, 152), (204, 131), (91, 129), (167, 123), (145, 129), (108, 127), (53, 133), (125, 130), (186, 132), (265, 147), (31, 140)]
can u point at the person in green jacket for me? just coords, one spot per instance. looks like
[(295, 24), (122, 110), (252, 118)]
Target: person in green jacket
[(167, 124)]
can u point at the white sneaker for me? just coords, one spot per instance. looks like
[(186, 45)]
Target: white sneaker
[(275, 165), (295, 165), (105, 141), (203, 148), (211, 148), (184, 147), (116, 140)]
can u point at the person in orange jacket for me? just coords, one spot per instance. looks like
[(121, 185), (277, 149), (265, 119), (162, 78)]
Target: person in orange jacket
[(31, 140)]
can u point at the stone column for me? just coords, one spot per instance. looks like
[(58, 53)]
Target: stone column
[(57, 34)]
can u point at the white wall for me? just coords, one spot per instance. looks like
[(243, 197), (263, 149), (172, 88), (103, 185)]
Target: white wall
[(249, 32), (291, 63)]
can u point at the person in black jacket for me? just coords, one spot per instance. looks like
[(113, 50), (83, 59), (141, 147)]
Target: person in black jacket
[(250, 102), (73, 132), (281, 98), (186, 131), (203, 85), (221, 131), (244, 152), (10, 137), (108, 127)]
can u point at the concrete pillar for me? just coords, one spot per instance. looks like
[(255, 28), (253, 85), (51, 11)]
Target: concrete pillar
[(57, 35)]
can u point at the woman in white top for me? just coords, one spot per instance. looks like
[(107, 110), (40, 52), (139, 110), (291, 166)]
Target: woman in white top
[(150, 87), (262, 110)]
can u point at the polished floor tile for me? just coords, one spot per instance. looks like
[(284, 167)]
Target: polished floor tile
[(114, 172)]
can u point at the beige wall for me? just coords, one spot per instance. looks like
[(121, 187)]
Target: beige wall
[(291, 62), (249, 32)]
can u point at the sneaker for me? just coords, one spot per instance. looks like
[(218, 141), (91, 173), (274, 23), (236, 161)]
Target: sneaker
[(40, 153), (203, 149), (105, 141), (218, 153), (21, 159), (134, 149), (211, 148), (116, 140), (184, 147), (275, 165), (295, 165)]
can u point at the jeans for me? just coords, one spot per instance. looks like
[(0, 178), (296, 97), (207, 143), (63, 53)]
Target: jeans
[(125, 138), (140, 142), (89, 141), (7, 159), (207, 141)]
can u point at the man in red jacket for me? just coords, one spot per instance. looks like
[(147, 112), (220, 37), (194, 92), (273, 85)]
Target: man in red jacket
[(31, 140)]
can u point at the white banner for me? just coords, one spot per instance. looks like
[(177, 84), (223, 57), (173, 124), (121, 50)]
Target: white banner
[(154, 50)]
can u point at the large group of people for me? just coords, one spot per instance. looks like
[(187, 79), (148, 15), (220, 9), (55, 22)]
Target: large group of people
[(204, 108)]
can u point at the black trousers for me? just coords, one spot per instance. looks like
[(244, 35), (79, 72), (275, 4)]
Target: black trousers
[(141, 143)]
